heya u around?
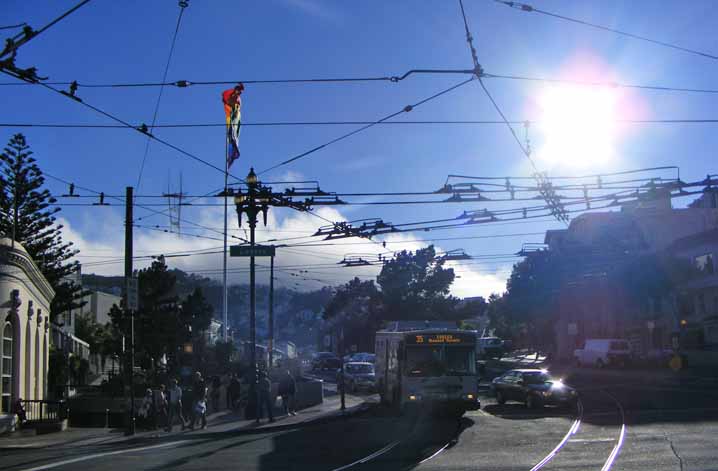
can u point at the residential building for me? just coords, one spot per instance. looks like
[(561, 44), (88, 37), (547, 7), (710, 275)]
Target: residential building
[(25, 297), (591, 304)]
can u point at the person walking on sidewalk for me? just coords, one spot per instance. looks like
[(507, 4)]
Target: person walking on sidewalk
[(265, 399), (199, 406), (175, 405), (287, 389), (216, 385), (234, 393)]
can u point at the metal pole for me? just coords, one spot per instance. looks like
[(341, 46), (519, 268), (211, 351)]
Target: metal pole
[(341, 361), (224, 261), (271, 312), (128, 280), (252, 213)]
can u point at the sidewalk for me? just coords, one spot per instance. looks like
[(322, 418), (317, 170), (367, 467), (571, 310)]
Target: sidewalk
[(219, 422)]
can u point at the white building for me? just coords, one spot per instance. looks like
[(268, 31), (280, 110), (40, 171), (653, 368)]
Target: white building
[(25, 297)]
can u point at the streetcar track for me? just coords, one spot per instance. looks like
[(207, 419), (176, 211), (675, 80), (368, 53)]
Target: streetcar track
[(571, 431)]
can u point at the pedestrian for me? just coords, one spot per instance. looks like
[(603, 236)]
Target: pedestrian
[(175, 405), (265, 399), (19, 410), (288, 389), (216, 385), (145, 413), (234, 392), (160, 400), (199, 406)]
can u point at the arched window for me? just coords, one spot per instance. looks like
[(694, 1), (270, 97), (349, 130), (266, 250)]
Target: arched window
[(6, 368)]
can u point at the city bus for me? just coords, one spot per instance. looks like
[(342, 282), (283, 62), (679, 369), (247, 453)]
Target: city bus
[(427, 369)]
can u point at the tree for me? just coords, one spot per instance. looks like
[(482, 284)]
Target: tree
[(416, 286), (196, 314), (26, 213), (354, 311)]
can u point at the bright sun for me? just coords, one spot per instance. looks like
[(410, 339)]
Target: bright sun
[(578, 125)]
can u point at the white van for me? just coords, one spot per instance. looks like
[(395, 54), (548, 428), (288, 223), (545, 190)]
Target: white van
[(489, 347), (602, 352)]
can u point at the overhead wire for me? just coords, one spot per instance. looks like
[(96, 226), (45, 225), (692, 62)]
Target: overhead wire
[(530, 9), (130, 126), (23, 38), (182, 6), (406, 109)]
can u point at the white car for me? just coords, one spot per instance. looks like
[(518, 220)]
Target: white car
[(603, 352)]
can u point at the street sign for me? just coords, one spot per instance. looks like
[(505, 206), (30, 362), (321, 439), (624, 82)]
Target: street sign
[(572, 328), (132, 297), (248, 251)]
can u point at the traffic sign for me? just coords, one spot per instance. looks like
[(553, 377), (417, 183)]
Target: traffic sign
[(132, 288), (248, 251)]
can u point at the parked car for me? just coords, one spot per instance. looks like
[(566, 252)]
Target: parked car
[(533, 387), (358, 376), (489, 347), (325, 360), (364, 357), (603, 352)]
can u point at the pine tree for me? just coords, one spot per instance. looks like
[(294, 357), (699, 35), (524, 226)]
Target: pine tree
[(27, 214)]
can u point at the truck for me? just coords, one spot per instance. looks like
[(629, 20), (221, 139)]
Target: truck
[(603, 352)]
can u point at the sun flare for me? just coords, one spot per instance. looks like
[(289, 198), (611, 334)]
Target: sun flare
[(577, 126)]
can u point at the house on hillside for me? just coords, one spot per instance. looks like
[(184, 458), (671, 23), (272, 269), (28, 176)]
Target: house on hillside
[(25, 297)]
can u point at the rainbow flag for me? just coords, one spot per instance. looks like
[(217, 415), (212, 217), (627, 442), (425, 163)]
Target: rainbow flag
[(232, 105)]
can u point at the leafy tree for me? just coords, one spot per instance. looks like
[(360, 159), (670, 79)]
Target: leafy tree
[(26, 211), (416, 286), (354, 309), (195, 314)]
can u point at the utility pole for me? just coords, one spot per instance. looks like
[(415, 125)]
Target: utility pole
[(128, 308), (270, 344), (224, 256), (341, 373)]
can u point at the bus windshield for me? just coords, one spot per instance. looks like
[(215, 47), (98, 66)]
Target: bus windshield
[(440, 360), (424, 361), (460, 361)]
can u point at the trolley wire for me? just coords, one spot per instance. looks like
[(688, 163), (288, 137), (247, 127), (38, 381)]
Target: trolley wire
[(162, 88), (406, 109), (346, 123), (530, 9)]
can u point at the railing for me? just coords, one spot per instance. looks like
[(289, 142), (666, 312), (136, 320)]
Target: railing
[(40, 410)]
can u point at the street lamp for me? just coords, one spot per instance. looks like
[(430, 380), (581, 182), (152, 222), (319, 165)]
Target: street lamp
[(256, 199)]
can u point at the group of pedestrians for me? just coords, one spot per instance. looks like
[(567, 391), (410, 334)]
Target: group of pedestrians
[(166, 406)]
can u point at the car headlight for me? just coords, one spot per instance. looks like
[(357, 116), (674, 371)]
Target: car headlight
[(414, 397), (470, 397), (546, 393)]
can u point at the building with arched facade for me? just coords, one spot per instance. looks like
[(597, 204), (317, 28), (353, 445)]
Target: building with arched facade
[(25, 297)]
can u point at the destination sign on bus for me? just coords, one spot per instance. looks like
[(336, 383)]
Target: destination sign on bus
[(439, 339)]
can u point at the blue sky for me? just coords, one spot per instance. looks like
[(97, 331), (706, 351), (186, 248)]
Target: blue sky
[(110, 42)]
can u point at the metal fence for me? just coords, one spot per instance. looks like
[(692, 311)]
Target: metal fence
[(40, 410)]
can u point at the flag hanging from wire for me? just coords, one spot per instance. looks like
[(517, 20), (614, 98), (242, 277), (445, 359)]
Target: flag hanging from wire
[(232, 105)]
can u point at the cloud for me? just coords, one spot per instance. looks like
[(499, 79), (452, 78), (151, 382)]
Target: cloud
[(301, 264)]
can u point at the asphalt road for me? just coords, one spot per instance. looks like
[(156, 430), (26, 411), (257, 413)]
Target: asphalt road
[(626, 423)]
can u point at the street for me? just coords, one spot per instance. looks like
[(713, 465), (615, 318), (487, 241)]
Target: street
[(623, 423)]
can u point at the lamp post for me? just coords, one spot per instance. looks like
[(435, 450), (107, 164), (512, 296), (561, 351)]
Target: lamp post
[(255, 200)]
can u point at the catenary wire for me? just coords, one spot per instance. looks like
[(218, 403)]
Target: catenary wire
[(530, 9), (159, 95), (406, 109)]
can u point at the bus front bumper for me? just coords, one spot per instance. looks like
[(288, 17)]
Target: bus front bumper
[(468, 401)]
